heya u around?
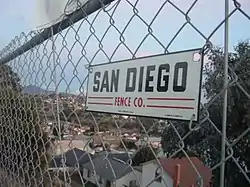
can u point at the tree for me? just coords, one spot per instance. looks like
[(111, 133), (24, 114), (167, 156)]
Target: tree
[(128, 144), (9, 79), (206, 142), (24, 148), (148, 123), (143, 155)]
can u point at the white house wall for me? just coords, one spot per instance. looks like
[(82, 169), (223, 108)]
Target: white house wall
[(119, 183), (134, 175), (148, 174)]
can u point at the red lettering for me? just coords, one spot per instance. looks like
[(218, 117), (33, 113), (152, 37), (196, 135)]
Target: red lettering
[(116, 101), (129, 101), (135, 102), (122, 101), (138, 102), (119, 101)]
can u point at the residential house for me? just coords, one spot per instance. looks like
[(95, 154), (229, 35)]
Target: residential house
[(174, 172), (71, 161), (108, 171), (113, 170), (117, 173), (72, 158)]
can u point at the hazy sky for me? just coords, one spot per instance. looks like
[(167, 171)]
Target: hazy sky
[(18, 16)]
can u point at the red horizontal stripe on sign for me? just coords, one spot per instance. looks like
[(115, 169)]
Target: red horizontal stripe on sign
[(95, 103), (100, 97), (166, 106), (170, 99)]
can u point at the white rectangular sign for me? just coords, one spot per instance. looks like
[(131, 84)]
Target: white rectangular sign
[(163, 86)]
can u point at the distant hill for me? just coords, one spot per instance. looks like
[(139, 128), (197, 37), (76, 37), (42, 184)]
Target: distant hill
[(35, 90)]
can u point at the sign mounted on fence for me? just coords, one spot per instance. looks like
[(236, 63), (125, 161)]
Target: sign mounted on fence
[(163, 86)]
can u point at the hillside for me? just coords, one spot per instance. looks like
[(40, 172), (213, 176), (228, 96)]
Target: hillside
[(35, 90)]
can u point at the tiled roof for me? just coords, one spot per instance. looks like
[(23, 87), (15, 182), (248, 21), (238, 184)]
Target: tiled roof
[(72, 158), (108, 168), (188, 176)]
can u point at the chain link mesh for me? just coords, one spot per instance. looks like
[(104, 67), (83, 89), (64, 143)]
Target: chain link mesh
[(48, 139)]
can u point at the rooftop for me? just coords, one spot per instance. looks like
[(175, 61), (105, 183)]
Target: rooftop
[(108, 168), (72, 158), (188, 175)]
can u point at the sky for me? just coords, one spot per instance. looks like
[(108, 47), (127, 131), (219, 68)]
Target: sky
[(74, 51)]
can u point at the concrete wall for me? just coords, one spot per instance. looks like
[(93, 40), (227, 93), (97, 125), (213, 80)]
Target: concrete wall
[(148, 175)]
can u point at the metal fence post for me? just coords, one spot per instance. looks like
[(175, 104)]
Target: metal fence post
[(224, 120)]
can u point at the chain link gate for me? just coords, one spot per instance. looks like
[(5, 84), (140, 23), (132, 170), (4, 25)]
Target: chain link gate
[(47, 138)]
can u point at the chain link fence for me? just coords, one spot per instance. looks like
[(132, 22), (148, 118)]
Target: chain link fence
[(48, 139)]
